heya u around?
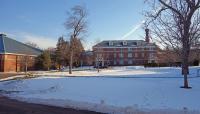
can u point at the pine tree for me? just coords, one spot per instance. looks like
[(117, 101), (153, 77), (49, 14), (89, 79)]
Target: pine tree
[(62, 52), (46, 60)]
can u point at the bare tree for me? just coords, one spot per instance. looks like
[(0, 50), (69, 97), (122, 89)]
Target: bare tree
[(176, 24), (32, 44), (25, 62), (76, 24)]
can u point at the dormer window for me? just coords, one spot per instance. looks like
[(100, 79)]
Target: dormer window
[(124, 43), (110, 43), (134, 43)]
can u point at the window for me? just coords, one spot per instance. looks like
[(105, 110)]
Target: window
[(121, 55), (151, 48), (115, 62), (142, 54), (121, 62), (129, 55), (151, 55), (129, 49), (110, 43), (115, 55), (130, 61), (136, 54), (99, 55), (124, 43), (121, 49)]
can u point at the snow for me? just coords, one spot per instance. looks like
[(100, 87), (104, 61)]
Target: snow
[(128, 71), (11, 78), (119, 90)]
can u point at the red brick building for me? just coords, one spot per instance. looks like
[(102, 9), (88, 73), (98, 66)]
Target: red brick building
[(14, 55), (125, 52), (87, 58)]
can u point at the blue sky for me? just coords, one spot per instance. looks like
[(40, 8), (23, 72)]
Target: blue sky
[(41, 21)]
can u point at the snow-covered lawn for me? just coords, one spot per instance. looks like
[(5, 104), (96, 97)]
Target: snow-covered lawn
[(118, 90)]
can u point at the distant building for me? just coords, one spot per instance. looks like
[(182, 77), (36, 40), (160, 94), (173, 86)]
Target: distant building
[(14, 55), (172, 57), (194, 57), (87, 58), (125, 52)]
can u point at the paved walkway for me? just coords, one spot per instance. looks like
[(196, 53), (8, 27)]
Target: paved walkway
[(9, 106), (6, 75)]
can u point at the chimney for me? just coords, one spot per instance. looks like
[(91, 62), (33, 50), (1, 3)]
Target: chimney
[(147, 35)]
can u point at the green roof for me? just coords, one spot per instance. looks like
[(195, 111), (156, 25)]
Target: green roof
[(11, 46)]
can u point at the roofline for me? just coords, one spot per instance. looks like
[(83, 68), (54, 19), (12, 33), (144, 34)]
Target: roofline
[(38, 49), (123, 46), (24, 44), (17, 54), (122, 40)]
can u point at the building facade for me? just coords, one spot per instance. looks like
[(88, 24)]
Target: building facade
[(87, 58), (125, 52), (15, 56)]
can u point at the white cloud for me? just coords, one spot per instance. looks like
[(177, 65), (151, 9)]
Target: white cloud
[(42, 41)]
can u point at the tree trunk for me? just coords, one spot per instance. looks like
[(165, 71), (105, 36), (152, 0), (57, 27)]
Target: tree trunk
[(59, 67), (26, 64), (185, 74), (71, 62), (26, 68), (98, 65), (185, 66)]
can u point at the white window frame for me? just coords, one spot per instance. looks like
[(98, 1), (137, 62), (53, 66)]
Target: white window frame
[(130, 55), (111, 43), (130, 49), (115, 55), (121, 55), (130, 61), (125, 43), (121, 61)]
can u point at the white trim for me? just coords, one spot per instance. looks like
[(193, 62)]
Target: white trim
[(125, 43), (128, 47), (111, 43), (134, 51)]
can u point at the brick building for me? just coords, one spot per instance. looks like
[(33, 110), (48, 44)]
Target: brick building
[(125, 52), (14, 55), (87, 58)]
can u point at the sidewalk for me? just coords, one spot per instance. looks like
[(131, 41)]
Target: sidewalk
[(9, 106)]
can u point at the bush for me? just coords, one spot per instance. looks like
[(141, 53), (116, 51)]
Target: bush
[(163, 65), (196, 63), (151, 65)]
